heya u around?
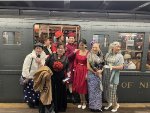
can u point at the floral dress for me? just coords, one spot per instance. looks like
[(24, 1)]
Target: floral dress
[(94, 81)]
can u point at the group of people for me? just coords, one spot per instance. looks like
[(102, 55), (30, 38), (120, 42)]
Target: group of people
[(87, 72)]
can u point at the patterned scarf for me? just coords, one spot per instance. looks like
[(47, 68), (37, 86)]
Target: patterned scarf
[(95, 60)]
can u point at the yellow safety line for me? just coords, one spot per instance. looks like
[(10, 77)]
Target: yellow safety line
[(70, 105)]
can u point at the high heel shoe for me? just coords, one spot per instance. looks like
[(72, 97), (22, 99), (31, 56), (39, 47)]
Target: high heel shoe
[(83, 106), (79, 106), (107, 107), (116, 108)]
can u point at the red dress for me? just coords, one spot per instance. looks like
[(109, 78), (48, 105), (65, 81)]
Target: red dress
[(80, 82)]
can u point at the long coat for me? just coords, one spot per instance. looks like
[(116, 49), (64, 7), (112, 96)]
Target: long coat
[(26, 72)]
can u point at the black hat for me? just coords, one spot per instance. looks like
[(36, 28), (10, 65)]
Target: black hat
[(38, 45)]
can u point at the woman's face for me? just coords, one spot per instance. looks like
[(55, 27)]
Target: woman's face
[(95, 48), (61, 39), (81, 45), (38, 50), (116, 48), (60, 50)]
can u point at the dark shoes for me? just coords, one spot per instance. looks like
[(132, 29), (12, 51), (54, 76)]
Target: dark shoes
[(31, 105), (96, 110)]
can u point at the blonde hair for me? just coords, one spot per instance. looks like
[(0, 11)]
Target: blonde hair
[(112, 45), (97, 44)]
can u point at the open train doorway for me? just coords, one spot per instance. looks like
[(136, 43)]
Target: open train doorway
[(42, 30)]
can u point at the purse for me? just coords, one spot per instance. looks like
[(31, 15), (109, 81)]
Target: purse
[(23, 80)]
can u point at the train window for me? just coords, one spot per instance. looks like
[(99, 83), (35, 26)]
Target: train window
[(103, 39), (42, 31), (148, 58), (11, 38), (131, 47)]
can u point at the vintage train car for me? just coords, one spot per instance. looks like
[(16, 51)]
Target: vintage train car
[(20, 31)]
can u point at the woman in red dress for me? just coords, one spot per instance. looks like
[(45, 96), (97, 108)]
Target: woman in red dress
[(80, 75)]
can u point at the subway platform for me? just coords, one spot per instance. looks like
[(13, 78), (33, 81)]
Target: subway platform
[(72, 108)]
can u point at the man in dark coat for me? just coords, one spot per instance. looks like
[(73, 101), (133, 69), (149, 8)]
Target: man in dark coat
[(47, 46)]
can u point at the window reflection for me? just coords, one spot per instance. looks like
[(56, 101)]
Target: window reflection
[(11, 38), (148, 58), (101, 38), (131, 47)]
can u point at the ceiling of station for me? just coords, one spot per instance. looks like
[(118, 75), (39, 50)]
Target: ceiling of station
[(92, 6)]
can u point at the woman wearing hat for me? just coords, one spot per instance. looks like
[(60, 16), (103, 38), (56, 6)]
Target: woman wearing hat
[(59, 39), (32, 63), (114, 63)]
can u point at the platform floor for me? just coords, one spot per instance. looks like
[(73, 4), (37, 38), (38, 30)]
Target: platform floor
[(72, 108)]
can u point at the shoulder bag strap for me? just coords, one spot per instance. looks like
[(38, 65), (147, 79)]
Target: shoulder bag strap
[(30, 65)]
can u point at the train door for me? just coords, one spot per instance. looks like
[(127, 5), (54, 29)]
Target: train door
[(13, 49), (10, 44)]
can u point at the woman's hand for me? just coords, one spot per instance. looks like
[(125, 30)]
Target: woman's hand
[(75, 50), (38, 60), (69, 74), (86, 77), (99, 72), (26, 80)]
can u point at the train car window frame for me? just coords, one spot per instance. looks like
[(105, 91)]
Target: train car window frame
[(148, 57), (132, 49), (48, 31), (11, 38), (101, 38)]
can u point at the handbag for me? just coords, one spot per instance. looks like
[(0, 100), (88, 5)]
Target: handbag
[(23, 80)]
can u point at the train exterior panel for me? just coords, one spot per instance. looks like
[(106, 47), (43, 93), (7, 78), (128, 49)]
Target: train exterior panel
[(134, 84)]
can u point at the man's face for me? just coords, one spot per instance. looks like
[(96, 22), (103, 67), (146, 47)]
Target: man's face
[(71, 40), (47, 42)]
